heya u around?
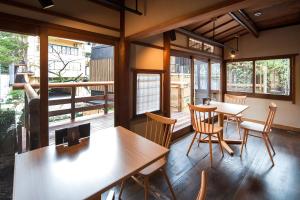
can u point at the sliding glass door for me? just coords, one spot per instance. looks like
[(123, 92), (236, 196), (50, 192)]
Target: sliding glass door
[(216, 80), (201, 80)]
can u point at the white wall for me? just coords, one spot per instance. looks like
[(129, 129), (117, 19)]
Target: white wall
[(273, 42)]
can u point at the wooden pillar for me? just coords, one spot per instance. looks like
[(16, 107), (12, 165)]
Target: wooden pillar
[(122, 80), (73, 95), (192, 80), (209, 79), (105, 99), (166, 80), (44, 123)]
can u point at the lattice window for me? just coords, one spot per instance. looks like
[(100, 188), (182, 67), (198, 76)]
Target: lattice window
[(148, 92)]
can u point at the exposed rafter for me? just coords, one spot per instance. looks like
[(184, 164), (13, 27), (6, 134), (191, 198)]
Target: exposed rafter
[(227, 30), (217, 27), (236, 33), (241, 17), (204, 24), (116, 5)]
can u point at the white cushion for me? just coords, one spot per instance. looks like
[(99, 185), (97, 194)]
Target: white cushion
[(253, 126)]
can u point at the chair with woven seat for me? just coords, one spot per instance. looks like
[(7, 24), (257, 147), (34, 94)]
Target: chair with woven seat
[(159, 129), (234, 99), (203, 123), (263, 129), (202, 192)]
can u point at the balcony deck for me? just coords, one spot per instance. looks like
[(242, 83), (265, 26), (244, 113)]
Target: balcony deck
[(98, 122)]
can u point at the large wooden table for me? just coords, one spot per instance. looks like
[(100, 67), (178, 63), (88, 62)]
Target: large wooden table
[(85, 170), (227, 109)]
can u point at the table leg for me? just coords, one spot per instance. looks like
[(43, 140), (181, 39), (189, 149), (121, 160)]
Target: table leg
[(223, 142)]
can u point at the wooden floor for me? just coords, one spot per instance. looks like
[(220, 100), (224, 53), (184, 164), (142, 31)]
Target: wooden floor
[(97, 122), (231, 177)]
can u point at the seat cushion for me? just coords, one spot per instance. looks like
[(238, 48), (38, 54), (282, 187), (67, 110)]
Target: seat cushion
[(153, 167), (252, 126)]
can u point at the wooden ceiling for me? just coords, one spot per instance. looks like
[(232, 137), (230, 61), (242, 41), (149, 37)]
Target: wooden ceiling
[(278, 14)]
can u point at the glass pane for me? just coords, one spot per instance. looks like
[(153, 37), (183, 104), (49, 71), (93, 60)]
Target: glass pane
[(239, 76), (216, 81), (272, 76), (73, 63), (201, 80), (148, 93)]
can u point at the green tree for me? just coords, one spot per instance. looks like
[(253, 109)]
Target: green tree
[(12, 49)]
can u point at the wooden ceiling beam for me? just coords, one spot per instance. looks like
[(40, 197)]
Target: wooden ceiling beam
[(201, 25), (217, 27), (241, 17), (56, 14), (240, 35), (228, 37), (227, 30), (204, 24)]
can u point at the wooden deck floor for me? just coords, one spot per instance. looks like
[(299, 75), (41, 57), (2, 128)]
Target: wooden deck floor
[(231, 177), (98, 122), (183, 119)]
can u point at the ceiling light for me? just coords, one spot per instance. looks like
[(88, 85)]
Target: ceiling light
[(257, 14), (46, 3), (232, 54)]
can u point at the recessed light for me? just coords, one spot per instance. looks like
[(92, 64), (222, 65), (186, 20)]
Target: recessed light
[(257, 14), (46, 3)]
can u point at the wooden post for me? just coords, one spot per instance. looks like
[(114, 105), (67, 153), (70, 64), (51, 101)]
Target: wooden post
[(73, 95), (122, 81), (105, 99), (192, 101), (179, 98), (44, 121), (166, 81)]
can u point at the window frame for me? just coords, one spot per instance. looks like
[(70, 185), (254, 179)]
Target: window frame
[(290, 97), (146, 71)]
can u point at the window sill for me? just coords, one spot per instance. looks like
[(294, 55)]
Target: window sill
[(263, 96)]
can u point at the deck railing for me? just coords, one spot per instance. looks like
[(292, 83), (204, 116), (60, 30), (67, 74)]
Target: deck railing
[(32, 106)]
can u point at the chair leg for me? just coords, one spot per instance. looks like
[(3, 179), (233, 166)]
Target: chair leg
[(244, 140), (219, 139), (191, 143), (121, 189), (271, 145), (199, 139), (269, 152), (238, 122), (168, 182), (146, 187), (210, 150)]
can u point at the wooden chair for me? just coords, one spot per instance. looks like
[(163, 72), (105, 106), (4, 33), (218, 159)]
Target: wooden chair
[(202, 192), (263, 129), (235, 118), (159, 129), (203, 123)]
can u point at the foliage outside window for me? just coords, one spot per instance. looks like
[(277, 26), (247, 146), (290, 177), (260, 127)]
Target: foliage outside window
[(148, 91), (272, 76), (239, 76)]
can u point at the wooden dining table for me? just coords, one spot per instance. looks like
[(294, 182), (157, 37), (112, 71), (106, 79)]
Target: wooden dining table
[(227, 109), (85, 170)]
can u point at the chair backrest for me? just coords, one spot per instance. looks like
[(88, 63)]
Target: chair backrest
[(159, 129), (235, 99), (61, 135), (203, 186), (202, 117), (270, 118)]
